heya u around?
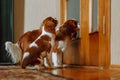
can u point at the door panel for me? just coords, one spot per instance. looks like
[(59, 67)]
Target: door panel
[(94, 15), (93, 33), (104, 33), (101, 53), (73, 9)]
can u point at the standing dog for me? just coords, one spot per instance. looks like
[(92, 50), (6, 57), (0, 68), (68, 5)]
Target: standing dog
[(64, 35)]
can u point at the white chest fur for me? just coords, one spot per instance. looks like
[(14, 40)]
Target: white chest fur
[(62, 45), (43, 33), (57, 57)]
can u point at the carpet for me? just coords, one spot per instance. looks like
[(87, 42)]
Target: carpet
[(16, 73)]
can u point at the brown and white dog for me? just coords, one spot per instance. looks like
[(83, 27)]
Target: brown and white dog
[(16, 50), (64, 35), (33, 43)]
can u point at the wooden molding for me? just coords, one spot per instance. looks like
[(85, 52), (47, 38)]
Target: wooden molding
[(115, 66), (63, 11), (18, 19), (84, 21), (93, 32)]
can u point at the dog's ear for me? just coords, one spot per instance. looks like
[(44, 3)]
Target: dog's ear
[(62, 28), (75, 23), (46, 19), (41, 25)]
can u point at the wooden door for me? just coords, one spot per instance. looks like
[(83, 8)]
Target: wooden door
[(104, 33), (94, 47), (95, 43)]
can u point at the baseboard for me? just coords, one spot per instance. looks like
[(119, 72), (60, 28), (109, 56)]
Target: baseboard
[(115, 66), (6, 64)]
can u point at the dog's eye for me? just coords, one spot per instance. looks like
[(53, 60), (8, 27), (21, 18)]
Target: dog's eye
[(75, 23)]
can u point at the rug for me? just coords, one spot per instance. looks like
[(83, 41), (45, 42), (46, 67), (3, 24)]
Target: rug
[(16, 73)]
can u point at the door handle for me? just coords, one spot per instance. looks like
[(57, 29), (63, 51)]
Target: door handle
[(104, 24)]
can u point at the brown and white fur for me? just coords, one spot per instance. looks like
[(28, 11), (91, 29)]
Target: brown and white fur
[(16, 49), (26, 39), (38, 49), (64, 35)]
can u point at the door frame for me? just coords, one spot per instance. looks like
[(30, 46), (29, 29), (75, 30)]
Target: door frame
[(63, 11)]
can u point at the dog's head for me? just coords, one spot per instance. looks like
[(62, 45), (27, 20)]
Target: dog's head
[(69, 28), (50, 24)]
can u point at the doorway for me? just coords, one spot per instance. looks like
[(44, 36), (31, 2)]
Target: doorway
[(6, 30)]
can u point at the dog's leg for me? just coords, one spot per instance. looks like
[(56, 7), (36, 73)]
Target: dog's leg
[(27, 61), (55, 59), (60, 58), (33, 67), (49, 59), (41, 65)]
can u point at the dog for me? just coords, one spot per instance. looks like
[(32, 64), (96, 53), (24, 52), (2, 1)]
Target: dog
[(26, 39), (66, 33), (16, 49), (34, 56)]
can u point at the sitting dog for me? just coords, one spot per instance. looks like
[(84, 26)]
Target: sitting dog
[(64, 35), (34, 56), (16, 49), (26, 39)]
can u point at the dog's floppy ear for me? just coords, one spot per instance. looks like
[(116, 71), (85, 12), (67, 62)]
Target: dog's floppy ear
[(41, 25), (44, 22), (48, 18)]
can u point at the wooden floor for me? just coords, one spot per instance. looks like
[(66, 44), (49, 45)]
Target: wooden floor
[(86, 73), (67, 73)]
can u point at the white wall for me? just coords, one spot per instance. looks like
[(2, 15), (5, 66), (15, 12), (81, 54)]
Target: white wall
[(115, 32), (37, 10)]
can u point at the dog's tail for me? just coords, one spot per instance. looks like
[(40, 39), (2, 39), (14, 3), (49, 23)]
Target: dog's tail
[(14, 51)]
